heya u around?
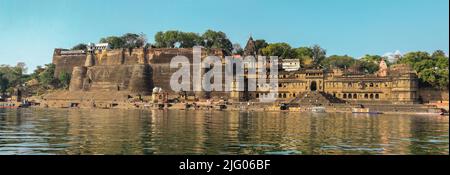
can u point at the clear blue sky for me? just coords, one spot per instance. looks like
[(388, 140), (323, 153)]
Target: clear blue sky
[(31, 29)]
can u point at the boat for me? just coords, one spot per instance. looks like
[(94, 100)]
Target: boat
[(318, 109), (13, 105)]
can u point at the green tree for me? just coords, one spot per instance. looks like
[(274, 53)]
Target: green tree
[(259, 45), (423, 64), (365, 67), (432, 70), (282, 50), (305, 55), (443, 79), (128, 40), (318, 54), (440, 59), (80, 46), (114, 42), (4, 83), (167, 39), (337, 61), (217, 40), (12, 76), (438, 53), (64, 80), (414, 57), (189, 39), (46, 77), (375, 59), (428, 77), (134, 40)]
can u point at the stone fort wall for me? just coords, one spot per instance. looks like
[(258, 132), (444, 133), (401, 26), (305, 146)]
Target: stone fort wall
[(135, 70)]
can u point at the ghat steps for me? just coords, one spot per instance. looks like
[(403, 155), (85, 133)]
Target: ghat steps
[(316, 99)]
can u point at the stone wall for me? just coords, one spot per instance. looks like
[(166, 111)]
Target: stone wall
[(132, 78), (428, 95), (136, 70), (65, 63)]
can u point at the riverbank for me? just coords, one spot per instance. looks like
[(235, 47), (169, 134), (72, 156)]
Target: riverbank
[(247, 106), (123, 100)]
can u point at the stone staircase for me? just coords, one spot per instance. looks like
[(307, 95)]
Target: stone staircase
[(315, 99)]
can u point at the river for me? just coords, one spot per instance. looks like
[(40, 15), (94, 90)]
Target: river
[(101, 131)]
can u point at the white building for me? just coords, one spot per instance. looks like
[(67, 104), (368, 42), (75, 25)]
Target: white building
[(99, 46), (290, 64)]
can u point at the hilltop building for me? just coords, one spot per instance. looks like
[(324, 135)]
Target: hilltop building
[(103, 72)]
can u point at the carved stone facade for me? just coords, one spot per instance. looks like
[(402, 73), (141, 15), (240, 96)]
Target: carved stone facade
[(397, 84), (396, 87), (139, 70)]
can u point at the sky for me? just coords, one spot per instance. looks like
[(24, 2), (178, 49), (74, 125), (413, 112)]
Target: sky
[(31, 29)]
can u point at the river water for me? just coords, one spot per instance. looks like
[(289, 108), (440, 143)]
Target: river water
[(99, 131)]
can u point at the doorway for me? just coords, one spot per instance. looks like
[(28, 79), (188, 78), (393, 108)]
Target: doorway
[(313, 86)]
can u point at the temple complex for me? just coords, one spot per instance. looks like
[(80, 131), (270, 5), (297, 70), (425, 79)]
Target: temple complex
[(119, 74), (395, 85)]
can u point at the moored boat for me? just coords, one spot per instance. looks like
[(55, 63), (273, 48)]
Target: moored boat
[(318, 109), (13, 105)]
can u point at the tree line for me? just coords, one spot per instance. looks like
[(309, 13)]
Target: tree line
[(41, 80)]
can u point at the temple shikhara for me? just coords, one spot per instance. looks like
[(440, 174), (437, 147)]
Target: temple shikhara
[(109, 77)]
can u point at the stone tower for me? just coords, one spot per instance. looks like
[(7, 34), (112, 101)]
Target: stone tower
[(383, 69), (250, 48), (90, 60)]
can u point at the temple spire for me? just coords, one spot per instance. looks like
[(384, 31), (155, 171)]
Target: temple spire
[(250, 48)]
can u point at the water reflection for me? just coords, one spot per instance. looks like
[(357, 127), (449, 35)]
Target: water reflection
[(68, 131)]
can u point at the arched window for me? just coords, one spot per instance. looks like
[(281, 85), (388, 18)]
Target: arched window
[(371, 84), (377, 96), (371, 96), (366, 96), (284, 95), (345, 96), (355, 96)]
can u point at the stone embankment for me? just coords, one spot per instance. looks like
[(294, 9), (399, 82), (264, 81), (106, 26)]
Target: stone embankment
[(123, 101)]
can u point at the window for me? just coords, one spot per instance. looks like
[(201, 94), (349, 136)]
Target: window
[(366, 96), (377, 96), (371, 96), (355, 96), (345, 96)]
